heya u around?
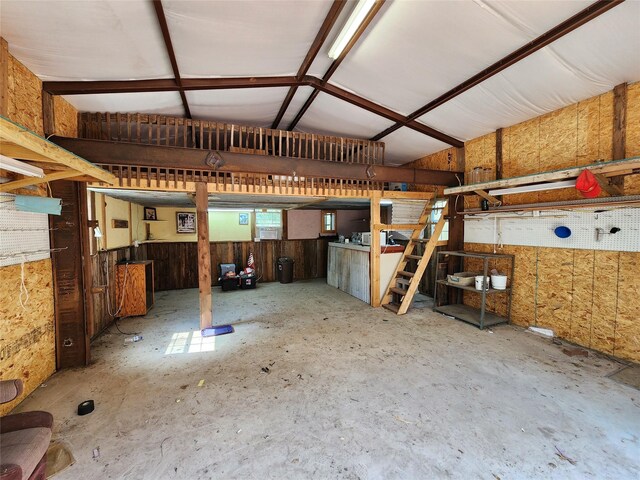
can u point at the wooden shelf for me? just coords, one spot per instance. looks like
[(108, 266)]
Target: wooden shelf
[(472, 289), (471, 315), (611, 168), (57, 163)]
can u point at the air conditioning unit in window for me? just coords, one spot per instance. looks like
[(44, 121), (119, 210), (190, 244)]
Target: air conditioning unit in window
[(268, 233)]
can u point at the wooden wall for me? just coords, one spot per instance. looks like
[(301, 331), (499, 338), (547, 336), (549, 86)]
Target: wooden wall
[(174, 263), (27, 342), (587, 297), (27, 336)]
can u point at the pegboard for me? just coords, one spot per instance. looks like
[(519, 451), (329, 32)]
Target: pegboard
[(538, 231), (21, 233)]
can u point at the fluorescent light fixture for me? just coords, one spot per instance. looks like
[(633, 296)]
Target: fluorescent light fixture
[(540, 187), (349, 30), (386, 202), (16, 166)]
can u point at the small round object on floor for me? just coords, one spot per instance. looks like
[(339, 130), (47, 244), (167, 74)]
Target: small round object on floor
[(562, 232), (86, 407)]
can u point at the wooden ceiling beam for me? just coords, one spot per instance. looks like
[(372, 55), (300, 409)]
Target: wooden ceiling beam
[(162, 20), (327, 25), (159, 156), (336, 63), (592, 11)]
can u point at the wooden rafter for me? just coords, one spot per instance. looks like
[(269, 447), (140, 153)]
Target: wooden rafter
[(17, 141), (592, 11), (327, 25), (336, 63), (162, 20)]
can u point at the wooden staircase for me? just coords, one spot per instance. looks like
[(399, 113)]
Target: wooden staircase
[(404, 286)]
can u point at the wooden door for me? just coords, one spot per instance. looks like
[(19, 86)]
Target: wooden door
[(71, 275)]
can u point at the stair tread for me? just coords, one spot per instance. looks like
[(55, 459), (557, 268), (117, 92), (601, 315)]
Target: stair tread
[(414, 257), (399, 291), (421, 240), (405, 273), (392, 306)]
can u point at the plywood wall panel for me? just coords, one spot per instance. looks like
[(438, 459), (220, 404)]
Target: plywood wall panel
[(25, 97), (554, 290), (605, 298), (583, 265), (27, 345), (627, 329), (522, 156), (558, 147), (65, 118), (606, 126), (588, 131), (632, 182)]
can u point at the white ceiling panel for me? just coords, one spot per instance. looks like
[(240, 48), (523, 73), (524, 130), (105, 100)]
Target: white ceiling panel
[(250, 106), (301, 96), (244, 37), (405, 145), (587, 62), (167, 103), (86, 40), (417, 50), (331, 116)]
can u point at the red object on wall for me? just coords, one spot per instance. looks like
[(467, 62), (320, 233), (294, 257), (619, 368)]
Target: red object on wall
[(587, 184)]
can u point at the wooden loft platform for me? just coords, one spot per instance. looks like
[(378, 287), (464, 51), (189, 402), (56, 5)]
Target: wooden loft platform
[(226, 137), (174, 168), (552, 179), (22, 144)]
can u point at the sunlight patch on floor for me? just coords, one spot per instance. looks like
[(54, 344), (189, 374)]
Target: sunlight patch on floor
[(190, 342)]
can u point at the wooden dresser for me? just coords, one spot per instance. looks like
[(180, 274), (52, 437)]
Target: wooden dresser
[(134, 280)]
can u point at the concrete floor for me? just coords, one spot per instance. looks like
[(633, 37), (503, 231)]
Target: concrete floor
[(316, 384)]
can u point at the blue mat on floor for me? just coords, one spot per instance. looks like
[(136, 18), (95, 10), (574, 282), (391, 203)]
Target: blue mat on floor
[(215, 331)]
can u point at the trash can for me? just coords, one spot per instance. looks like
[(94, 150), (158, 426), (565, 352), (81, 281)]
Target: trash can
[(285, 269)]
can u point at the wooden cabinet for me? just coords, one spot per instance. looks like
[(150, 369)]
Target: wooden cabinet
[(134, 288)]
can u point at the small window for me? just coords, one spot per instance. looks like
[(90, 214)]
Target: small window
[(328, 225), (269, 224)]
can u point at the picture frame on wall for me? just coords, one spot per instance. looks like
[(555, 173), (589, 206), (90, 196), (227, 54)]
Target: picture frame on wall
[(243, 218), (185, 222), (150, 213)]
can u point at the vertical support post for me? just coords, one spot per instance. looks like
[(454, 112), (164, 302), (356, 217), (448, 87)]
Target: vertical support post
[(4, 77), (456, 230), (48, 114), (374, 254), (204, 255), (499, 154), (619, 129)]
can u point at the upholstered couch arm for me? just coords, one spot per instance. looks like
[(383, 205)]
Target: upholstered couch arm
[(21, 421), (9, 390), (10, 472)]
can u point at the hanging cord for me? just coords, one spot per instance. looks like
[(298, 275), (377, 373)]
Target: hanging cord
[(23, 288)]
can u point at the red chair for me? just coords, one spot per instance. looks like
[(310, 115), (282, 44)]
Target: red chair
[(24, 439)]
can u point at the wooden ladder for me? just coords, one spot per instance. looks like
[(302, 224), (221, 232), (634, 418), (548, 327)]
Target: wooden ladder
[(404, 285)]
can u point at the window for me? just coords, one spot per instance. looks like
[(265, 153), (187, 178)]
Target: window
[(435, 216), (269, 224), (328, 222)]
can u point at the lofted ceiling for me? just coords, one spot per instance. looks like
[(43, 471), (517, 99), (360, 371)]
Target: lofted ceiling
[(234, 200), (412, 52)]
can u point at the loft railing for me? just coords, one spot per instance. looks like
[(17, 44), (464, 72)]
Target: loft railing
[(177, 179), (210, 135)]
